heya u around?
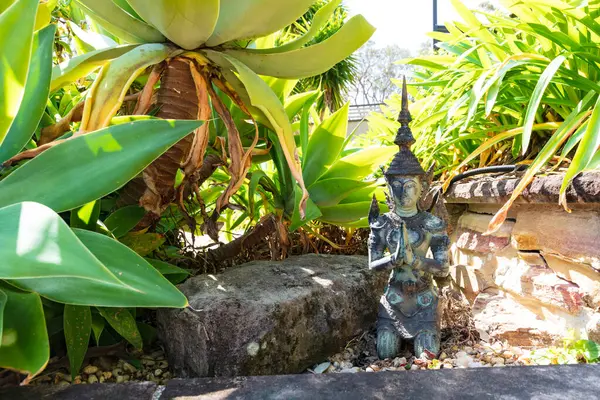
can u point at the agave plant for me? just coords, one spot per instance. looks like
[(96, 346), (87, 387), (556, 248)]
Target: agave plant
[(518, 87), (202, 51)]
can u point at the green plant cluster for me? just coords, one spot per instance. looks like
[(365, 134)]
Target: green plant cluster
[(572, 352), (519, 85), (75, 265)]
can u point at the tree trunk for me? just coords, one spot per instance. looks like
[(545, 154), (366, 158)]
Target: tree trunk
[(176, 99)]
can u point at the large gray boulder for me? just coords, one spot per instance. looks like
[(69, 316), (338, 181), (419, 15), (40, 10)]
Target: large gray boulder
[(270, 317)]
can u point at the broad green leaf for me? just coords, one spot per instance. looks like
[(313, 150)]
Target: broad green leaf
[(86, 216), (80, 66), (319, 20), (536, 98), (312, 60), (120, 23), (325, 145), (585, 151), (124, 219), (297, 102), (329, 192), (361, 164), (148, 332), (44, 13), (187, 23), (35, 96), (142, 243), (91, 166), (123, 322), (345, 213), (77, 327), (152, 289), (241, 19), (16, 36), (174, 274), (98, 324), (24, 344), (41, 254), (110, 87), (90, 40), (312, 211)]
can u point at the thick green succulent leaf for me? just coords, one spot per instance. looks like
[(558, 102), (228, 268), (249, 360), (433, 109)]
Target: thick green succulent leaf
[(87, 41), (77, 328), (325, 145), (143, 243), (244, 19), (90, 166), (124, 219), (110, 87), (312, 60), (35, 96), (120, 23), (187, 23), (152, 289), (319, 20), (16, 37), (123, 322), (329, 192), (80, 66), (361, 164), (24, 343)]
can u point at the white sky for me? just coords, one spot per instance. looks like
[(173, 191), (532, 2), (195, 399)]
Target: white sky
[(404, 22)]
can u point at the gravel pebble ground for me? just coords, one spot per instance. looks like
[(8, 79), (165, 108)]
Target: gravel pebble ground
[(151, 366), (360, 355)]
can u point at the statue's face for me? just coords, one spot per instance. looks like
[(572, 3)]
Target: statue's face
[(406, 190)]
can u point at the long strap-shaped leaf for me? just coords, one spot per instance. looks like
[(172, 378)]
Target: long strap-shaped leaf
[(241, 19), (576, 118), (313, 60), (90, 166), (35, 97), (120, 23), (110, 87), (536, 98), (80, 66), (319, 20), (16, 36), (187, 23), (585, 152)]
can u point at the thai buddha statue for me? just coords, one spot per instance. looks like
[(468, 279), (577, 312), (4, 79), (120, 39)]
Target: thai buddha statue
[(413, 245)]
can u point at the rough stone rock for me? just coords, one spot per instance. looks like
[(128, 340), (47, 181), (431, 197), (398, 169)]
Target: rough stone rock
[(523, 321), (574, 236), (593, 328), (469, 235), (582, 275), (270, 317)]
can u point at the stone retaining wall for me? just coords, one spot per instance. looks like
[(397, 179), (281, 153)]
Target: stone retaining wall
[(537, 279)]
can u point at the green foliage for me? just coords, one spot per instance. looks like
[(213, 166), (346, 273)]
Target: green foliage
[(506, 89), (572, 352)]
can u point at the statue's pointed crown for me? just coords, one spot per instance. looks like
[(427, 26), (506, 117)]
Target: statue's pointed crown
[(404, 162)]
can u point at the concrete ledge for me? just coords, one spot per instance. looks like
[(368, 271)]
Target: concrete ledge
[(584, 189), (549, 382)]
